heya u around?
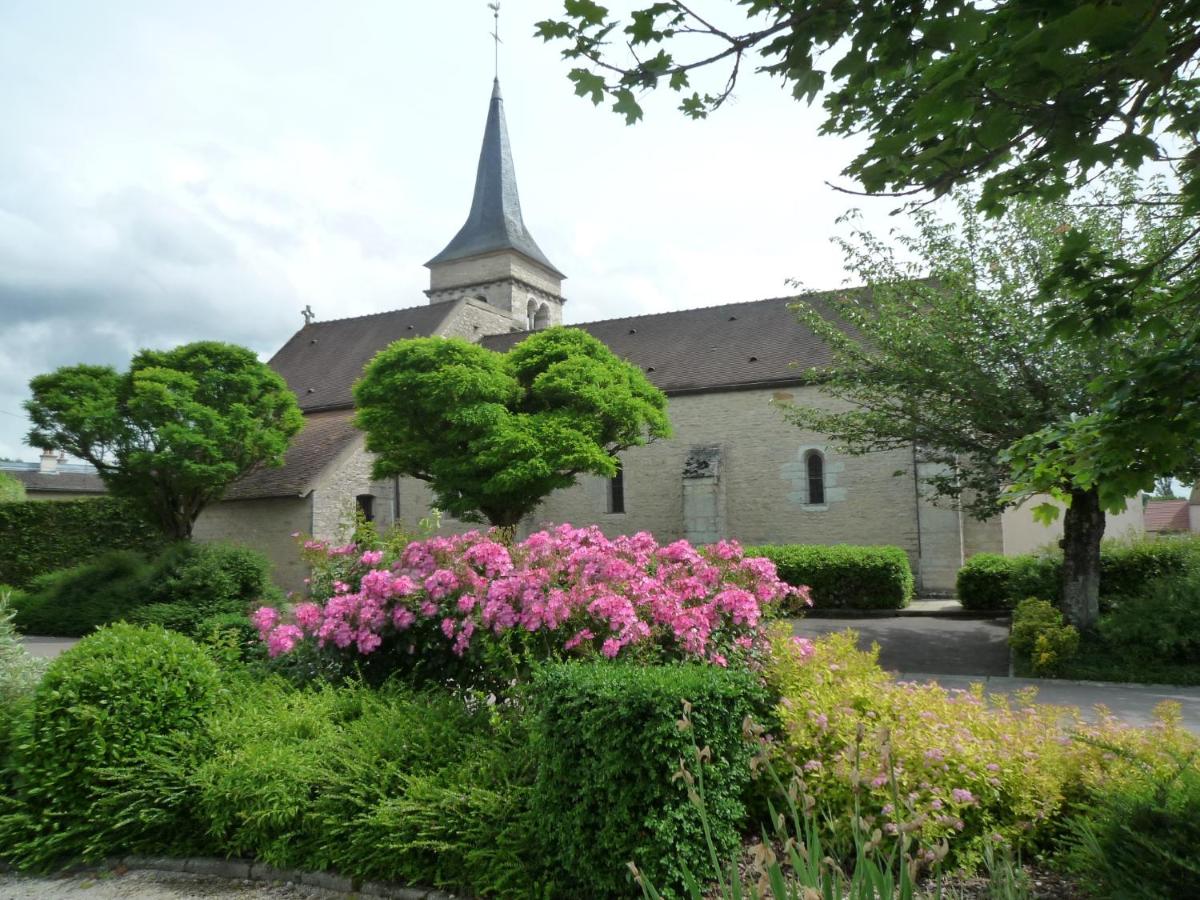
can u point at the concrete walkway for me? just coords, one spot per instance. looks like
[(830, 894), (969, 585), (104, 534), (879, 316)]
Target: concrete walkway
[(47, 647)]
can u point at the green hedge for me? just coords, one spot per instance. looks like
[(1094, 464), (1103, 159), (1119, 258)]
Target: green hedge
[(991, 581), (608, 743), (40, 536), (181, 587), (843, 577)]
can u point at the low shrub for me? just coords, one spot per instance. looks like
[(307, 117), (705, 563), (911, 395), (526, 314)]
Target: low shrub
[(100, 704), (917, 759), (81, 530), (19, 672), (1127, 569), (1163, 622), (839, 576), (178, 589), (74, 602), (470, 610), (1139, 835), (609, 744), (1041, 636), (11, 490)]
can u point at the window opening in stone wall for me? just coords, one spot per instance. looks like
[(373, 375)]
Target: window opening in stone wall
[(542, 318), (531, 312), (616, 491), (366, 506), (816, 478)]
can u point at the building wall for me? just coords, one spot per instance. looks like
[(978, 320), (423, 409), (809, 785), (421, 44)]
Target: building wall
[(266, 526), (505, 281), (472, 320), (1022, 534), (762, 486), (333, 496)]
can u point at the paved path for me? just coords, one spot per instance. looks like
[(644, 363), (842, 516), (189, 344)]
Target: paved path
[(47, 647), (933, 645), (146, 885)]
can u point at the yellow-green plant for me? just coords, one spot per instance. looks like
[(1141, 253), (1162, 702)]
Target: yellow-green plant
[(1040, 635)]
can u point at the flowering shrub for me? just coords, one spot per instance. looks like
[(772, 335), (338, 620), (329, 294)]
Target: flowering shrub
[(467, 606), (941, 764)]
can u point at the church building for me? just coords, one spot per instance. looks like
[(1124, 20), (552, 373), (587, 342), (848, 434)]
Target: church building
[(735, 467)]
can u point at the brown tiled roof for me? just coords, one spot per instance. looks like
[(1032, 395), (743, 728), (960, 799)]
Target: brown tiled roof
[(322, 361), (324, 436), (1166, 515), (712, 348), (59, 482)]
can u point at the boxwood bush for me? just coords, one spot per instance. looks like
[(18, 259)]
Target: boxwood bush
[(100, 705), (991, 581), (842, 576), (608, 743)]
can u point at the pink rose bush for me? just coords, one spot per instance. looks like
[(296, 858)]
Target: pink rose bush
[(450, 605)]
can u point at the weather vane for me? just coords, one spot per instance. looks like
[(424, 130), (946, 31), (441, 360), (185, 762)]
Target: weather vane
[(495, 8)]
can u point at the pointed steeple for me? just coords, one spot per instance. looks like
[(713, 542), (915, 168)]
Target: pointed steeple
[(495, 222)]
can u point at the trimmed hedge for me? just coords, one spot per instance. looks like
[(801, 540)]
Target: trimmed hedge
[(609, 744), (991, 581), (40, 536), (842, 576)]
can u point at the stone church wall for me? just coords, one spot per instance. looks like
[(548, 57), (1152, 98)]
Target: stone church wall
[(473, 320), (266, 526), (334, 495)]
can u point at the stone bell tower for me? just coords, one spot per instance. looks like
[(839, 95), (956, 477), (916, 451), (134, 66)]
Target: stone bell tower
[(493, 258)]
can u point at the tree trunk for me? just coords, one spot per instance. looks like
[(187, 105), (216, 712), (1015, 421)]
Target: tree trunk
[(1083, 527)]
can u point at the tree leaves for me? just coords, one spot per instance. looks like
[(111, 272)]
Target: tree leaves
[(493, 433)]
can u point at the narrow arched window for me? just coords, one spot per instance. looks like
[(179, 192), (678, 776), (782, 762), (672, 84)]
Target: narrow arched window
[(815, 465), (616, 491), (531, 312), (542, 318)]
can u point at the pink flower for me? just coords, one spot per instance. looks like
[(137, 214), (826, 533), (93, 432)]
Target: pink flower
[(264, 619), (962, 795), (371, 558), (610, 647)]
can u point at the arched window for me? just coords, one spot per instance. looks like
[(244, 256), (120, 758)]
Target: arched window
[(531, 313), (542, 318), (815, 467)]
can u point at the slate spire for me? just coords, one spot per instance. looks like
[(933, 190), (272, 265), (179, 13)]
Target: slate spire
[(494, 222)]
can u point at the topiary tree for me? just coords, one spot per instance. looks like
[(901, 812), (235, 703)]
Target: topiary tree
[(174, 431), (494, 433)]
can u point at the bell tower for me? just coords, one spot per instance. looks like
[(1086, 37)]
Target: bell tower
[(493, 258)]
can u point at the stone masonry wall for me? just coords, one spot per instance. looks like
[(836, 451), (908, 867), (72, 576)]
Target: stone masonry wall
[(472, 320), (334, 495), (266, 526)]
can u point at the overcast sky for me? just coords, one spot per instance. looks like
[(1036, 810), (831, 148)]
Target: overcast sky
[(174, 171)]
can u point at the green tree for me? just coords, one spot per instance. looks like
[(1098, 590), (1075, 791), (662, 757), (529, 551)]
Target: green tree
[(11, 490), (173, 431), (948, 352), (492, 433)]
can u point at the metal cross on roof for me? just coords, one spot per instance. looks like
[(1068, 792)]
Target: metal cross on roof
[(495, 8)]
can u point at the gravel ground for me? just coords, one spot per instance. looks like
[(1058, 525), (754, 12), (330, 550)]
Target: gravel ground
[(147, 885)]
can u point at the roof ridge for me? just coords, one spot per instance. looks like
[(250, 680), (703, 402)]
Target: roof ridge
[(673, 312), (384, 312)]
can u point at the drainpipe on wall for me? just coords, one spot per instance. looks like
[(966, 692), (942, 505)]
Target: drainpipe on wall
[(395, 501), (917, 509)]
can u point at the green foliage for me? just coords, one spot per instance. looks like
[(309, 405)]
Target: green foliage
[(609, 743), (11, 490), (1040, 636), (174, 431), (99, 705), (73, 602), (80, 530), (495, 433), (1139, 837), (1127, 569), (186, 584), (843, 577), (19, 672), (1161, 622)]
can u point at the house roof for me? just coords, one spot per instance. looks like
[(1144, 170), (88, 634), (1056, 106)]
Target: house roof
[(494, 222), (1166, 515), (59, 482), (324, 436), (712, 348), (322, 360)]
